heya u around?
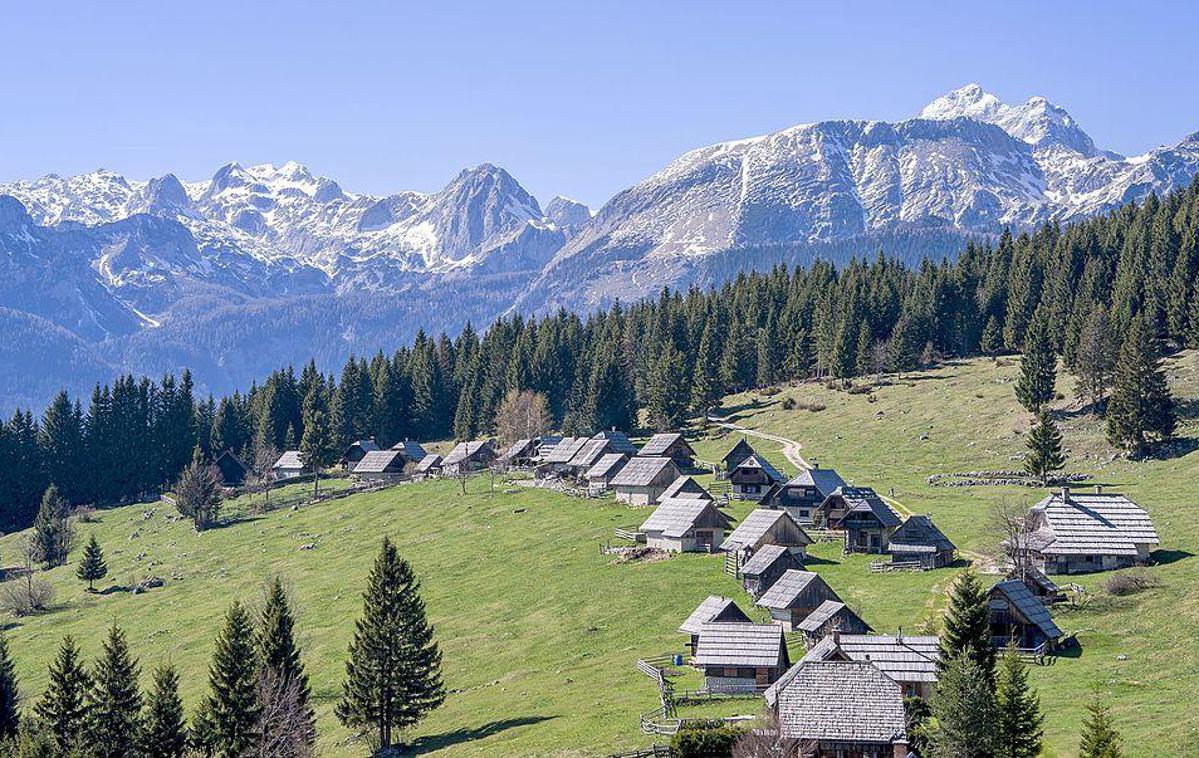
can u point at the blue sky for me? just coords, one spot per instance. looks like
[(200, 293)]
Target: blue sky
[(578, 99)]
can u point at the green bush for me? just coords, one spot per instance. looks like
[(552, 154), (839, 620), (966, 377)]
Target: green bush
[(709, 738)]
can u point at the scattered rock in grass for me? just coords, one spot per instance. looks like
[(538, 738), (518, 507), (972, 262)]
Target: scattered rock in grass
[(136, 535), (641, 555), (148, 583), (308, 546), (519, 510), (1121, 657), (141, 556), (147, 515)]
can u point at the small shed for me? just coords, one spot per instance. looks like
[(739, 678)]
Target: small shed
[(520, 454), (643, 480), (829, 617), (740, 657), (555, 460), (289, 466), (1039, 584), (911, 660), (466, 457), (685, 526), (919, 539), (685, 486), (740, 452), (867, 521), (766, 565), (671, 445), (763, 526), (847, 708), (588, 455), (233, 471), (752, 478), (1019, 615), (429, 466), (411, 450), (715, 609), (803, 494), (605, 469), (618, 442), (382, 466), (355, 452), (794, 596)]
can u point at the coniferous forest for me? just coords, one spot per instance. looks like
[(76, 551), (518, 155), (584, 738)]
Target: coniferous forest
[(1080, 287)]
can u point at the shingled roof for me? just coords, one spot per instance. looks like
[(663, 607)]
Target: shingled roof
[(788, 587), (740, 644), (686, 486), (519, 449), (410, 450), (618, 442), (660, 443), (866, 500), (756, 524), (606, 465), (289, 459), (377, 461), (677, 516), (590, 452), (823, 614), (1068, 523), (1029, 606), (920, 534), (738, 453), (428, 463), (763, 558), (757, 461), (639, 472), (903, 658), (464, 450), (839, 701), (825, 480), (713, 609), (564, 450)]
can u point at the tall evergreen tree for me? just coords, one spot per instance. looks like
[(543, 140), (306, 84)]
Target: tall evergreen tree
[(317, 449), (1100, 738), (991, 341), (1044, 449), (1141, 409), (1095, 358), (63, 707), (198, 492), (53, 531), (1038, 366), (705, 387), (10, 696), (1019, 708), (228, 722), (92, 568), (114, 701), (61, 438), (393, 675), (966, 712), (967, 628), (282, 673), (163, 731), (667, 402)]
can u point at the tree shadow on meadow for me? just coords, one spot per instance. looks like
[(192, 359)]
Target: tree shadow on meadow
[(432, 742)]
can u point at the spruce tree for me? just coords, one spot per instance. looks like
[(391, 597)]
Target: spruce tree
[(667, 403), (991, 341), (63, 707), (229, 715), (198, 492), (53, 531), (163, 732), (1020, 718), (317, 448), (967, 628), (10, 697), (1038, 366), (966, 713), (282, 673), (114, 701), (1140, 409), (393, 675), (1100, 738), (705, 387), (1044, 449), (92, 568), (1096, 358)]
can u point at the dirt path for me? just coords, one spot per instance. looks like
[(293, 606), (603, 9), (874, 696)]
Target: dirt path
[(790, 447)]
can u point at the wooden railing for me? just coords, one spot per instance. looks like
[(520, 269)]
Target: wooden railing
[(888, 566), (628, 533)]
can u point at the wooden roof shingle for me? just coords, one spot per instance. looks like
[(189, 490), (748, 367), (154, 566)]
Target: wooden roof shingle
[(641, 472), (686, 486), (740, 644), (660, 443), (378, 461), (713, 609), (1029, 606), (757, 524), (789, 587), (607, 466), (289, 459), (919, 532), (677, 516), (840, 701), (763, 558), (824, 613), (1091, 524)]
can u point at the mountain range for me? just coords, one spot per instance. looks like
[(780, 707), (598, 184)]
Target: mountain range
[(259, 266)]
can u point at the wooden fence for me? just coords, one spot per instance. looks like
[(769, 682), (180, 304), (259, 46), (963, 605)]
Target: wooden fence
[(889, 566), (656, 751)]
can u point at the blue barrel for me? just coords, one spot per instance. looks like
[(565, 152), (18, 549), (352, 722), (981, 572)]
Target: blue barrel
[(678, 659)]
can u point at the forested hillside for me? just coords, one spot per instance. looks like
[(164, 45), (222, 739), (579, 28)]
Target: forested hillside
[(673, 356)]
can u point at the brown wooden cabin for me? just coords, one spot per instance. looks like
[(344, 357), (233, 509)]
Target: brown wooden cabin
[(919, 539), (670, 445), (1018, 615), (794, 596), (233, 471), (867, 521), (765, 566), (740, 657)]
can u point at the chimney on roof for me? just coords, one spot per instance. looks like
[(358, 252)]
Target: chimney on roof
[(1065, 494), (1098, 489), (837, 637), (815, 465)]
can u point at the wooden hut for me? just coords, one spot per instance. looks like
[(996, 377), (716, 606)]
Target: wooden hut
[(519, 454), (233, 471), (845, 709), (803, 494), (382, 466), (643, 480), (355, 452), (752, 478), (910, 660), (766, 565), (555, 461), (738, 453), (713, 610), (428, 467), (1074, 533), (618, 442), (831, 616), (412, 452), (671, 445), (919, 539), (685, 526), (740, 657), (289, 466), (685, 486), (1046, 590), (467, 457), (766, 527), (600, 476), (867, 521), (1017, 614), (795, 595)]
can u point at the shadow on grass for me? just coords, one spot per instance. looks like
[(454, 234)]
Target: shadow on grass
[(732, 413), (235, 520), (429, 743), (1171, 449), (1164, 557), (812, 560)]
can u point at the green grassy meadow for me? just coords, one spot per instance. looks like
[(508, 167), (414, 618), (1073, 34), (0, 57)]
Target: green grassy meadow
[(540, 631)]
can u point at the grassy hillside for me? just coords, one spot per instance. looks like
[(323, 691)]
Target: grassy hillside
[(540, 631)]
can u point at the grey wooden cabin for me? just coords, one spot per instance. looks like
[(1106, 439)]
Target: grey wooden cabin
[(795, 595), (919, 539), (740, 657), (643, 480), (1018, 615), (1075, 533), (765, 566), (803, 494), (867, 521), (713, 610)]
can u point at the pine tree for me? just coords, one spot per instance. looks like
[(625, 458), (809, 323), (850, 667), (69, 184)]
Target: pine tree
[(393, 676), (282, 674), (1100, 738), (53, 531), (965, 710), (991, 341), (163, 732), (198, 492), (92, 568), (61, 438), (1141, 408), (667, 404), (1044, 449), (1020, 715), (63, 707), (10, 697), (967, 629), (1038, 366), (1096, 358), (114, 701), (228, 724)]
